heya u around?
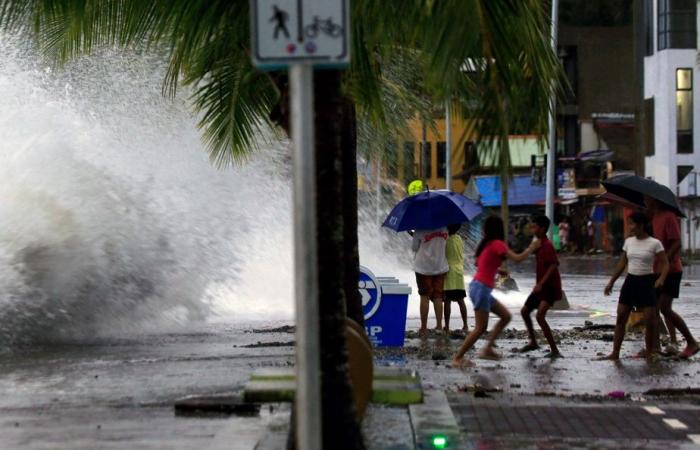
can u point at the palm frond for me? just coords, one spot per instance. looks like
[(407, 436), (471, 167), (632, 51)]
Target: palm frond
[(405, 54)]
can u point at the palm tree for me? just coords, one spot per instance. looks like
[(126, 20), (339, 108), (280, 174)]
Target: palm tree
[(206, 46)]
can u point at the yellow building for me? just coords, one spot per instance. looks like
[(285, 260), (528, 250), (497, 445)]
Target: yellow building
[(411, 163)]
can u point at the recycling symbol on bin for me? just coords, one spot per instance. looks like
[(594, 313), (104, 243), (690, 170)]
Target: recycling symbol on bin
[(370, 292)]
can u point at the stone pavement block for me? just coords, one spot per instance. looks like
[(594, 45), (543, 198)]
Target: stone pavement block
[(395, 373), (273, 373), (390, 386), (380, 373), (396, 392), (269, 391), (434, 418)]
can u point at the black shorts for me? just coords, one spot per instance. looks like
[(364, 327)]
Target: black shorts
[(455, 295), (672, 286), (431, 285), (638, 291), (533, 301)]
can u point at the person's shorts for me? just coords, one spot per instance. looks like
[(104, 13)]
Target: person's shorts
[(638, 291), (455, 295), (480, 295), (534, 299), (431, 285), (672, 286)]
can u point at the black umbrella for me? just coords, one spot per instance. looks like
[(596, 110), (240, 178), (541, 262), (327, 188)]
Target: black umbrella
[(633, 188)]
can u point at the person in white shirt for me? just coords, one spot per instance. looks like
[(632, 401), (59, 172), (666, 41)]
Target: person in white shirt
[(430, 266), (639, 289)]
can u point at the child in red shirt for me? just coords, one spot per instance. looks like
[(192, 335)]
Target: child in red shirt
[(490, 254), (547, 290)]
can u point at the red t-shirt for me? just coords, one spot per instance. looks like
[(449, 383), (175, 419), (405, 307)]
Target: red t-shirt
[(545, 257), (667, 229), (489, 261)]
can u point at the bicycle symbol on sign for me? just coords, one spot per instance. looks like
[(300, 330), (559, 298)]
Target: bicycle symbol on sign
[(323, 26)]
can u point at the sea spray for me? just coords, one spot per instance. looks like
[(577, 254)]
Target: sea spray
[(112, 219)]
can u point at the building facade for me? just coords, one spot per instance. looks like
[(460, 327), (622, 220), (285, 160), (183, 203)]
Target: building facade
[(671, 76)]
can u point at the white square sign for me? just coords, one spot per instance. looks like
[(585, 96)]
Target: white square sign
[(285, 32)]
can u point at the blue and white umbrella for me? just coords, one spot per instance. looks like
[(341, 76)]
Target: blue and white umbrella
[(430, 210)]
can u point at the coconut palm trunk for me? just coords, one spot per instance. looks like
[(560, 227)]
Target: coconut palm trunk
[(351, 253), (340, 429)]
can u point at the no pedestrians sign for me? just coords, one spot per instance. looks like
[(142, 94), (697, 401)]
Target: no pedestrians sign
[(285, 32)]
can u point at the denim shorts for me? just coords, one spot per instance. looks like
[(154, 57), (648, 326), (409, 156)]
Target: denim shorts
[(480, 295)]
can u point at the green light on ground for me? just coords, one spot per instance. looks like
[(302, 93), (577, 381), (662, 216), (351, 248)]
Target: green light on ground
[(439, 442)]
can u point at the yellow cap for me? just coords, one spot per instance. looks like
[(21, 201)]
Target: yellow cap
[(415, 187)]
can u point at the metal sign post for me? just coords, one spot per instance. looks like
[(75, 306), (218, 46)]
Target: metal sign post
[(301, 35), (308, 347)]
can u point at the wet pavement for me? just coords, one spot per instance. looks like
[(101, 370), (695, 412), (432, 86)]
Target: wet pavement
[(505, 422), (120, 393)]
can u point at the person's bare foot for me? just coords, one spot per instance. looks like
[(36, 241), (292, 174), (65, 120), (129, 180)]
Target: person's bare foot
[(670, 350), (689, 351), (640, 354), (488, 353), (553, 355), (653, 357), (529, 347), (461, 363), (610, 357), (422, 333)]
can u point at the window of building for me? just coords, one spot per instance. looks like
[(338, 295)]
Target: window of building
[(649, 27), (684, 110), (649, 149), (677, 24), (682, 172), (427, 160), (409, 172), (441, 159)]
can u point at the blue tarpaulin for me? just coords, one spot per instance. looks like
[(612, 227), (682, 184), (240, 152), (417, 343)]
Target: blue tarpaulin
[(520, 191)]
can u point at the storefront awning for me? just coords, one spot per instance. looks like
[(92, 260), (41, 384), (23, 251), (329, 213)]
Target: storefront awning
[(521, 191)]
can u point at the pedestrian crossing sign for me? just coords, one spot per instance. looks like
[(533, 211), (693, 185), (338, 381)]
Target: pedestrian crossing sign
[(285, 32)]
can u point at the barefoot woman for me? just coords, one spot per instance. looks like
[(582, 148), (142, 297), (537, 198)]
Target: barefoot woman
[(639, 289)]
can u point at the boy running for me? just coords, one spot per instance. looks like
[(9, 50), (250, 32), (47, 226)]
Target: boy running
[(546, 291)]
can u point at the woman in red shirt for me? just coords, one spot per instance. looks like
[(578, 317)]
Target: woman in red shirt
[(490, 254)]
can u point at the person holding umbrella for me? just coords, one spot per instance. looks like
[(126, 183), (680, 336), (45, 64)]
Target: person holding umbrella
[(667, 229), (430, 266), (429, 213), (662, 204)]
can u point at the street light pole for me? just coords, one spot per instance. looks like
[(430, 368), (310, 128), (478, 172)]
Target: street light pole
[(552, 154)]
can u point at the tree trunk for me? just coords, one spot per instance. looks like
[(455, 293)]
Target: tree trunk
[(340, 427), (351, 252)]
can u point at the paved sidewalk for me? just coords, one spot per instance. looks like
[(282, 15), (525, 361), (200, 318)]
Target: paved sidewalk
[(504, 422)]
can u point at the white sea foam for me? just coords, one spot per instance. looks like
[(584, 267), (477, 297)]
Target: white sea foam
[(112, 218)]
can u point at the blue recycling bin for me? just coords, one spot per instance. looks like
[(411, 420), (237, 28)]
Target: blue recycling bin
[(385, 304)]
